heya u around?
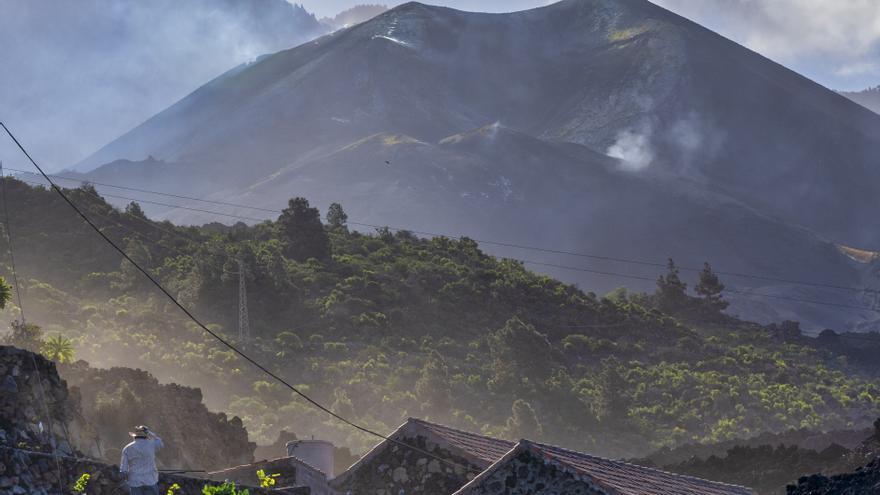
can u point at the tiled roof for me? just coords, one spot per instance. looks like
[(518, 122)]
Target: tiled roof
[(484, 448), (617, 477), (622, 478)]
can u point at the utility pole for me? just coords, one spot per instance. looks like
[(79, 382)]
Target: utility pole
[(244, 328)]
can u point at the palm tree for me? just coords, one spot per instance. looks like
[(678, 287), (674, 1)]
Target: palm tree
[(58, 348)]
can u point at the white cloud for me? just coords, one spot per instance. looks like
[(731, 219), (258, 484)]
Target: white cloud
[(858, 69), (841, 37)]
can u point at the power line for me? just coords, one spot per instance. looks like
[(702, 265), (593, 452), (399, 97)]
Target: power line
[(598, 257), (168, 205), (210, 332), (148, 191), (563, 267), (159, 245), (594, 271)]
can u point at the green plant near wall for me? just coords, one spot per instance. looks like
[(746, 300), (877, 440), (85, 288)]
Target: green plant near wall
[(224, 489), (267, 480), (82, 483)]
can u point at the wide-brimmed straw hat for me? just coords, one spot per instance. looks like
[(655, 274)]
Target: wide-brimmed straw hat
[(140, 432)]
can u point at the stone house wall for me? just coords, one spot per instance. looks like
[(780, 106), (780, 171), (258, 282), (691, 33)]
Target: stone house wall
[(398, 468), (526, 474)]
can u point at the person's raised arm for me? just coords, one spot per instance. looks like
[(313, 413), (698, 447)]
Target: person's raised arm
[(157, 442)]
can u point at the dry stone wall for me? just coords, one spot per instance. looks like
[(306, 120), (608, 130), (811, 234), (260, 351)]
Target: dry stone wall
[(36, 411)]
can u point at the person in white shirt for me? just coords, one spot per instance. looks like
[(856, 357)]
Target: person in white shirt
[(138, 464)]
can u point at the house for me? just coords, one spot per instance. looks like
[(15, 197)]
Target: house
[(472, 464)]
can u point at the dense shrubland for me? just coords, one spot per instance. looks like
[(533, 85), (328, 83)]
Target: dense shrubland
[(388, 325)]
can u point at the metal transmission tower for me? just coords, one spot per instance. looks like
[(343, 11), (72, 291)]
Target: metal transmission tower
[(244, 327)]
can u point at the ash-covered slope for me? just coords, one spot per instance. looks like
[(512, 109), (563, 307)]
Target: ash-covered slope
[(612, 74)]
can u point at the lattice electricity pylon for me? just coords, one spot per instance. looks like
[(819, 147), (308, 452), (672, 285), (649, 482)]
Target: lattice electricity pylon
[(244, 327)]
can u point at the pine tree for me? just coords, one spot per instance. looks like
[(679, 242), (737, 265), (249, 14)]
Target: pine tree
[(336, 216), (135, 210), (710, 289), (303, 234), (671, 291)]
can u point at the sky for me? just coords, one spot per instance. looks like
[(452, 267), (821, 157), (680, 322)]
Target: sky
[(79, 74)]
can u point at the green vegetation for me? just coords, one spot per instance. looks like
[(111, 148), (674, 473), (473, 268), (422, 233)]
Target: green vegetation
[(58, 348), (224, 489), (386, 326), (266, 480), (82, 483)]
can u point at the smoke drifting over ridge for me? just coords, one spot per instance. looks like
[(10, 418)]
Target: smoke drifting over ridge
[(78, 74)]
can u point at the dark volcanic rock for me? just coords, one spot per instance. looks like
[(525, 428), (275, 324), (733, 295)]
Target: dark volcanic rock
[(864, 481)]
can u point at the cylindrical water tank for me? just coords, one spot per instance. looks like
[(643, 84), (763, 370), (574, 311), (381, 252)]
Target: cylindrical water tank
[(318, 453)]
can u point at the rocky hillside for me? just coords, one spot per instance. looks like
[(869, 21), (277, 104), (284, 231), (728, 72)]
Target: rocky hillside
[(195, 438), (95, 413), (863, 481), (48, 443)]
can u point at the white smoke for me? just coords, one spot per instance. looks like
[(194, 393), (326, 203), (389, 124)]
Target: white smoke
[(78, 74), (633, 148)]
